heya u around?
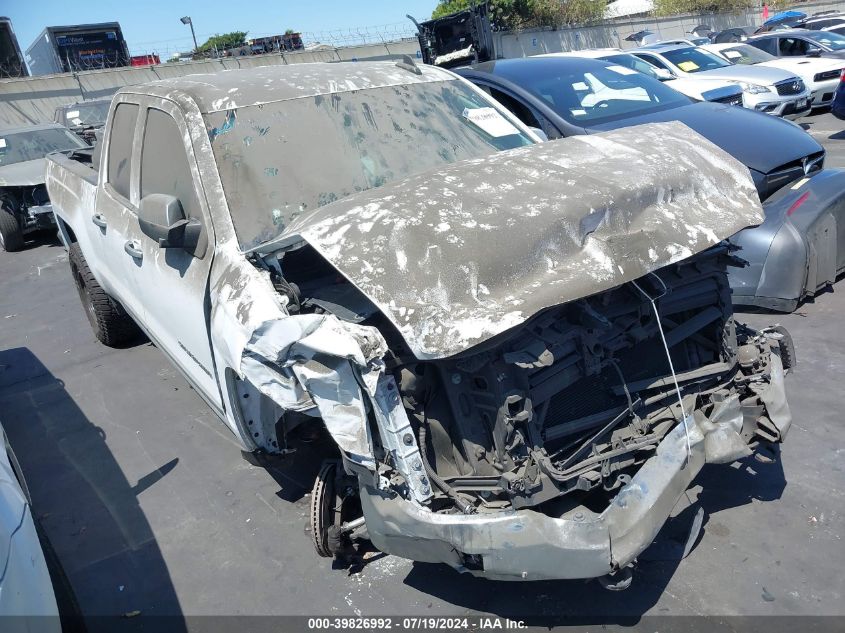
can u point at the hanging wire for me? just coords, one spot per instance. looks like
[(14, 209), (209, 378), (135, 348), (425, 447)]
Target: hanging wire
[(653, 301)]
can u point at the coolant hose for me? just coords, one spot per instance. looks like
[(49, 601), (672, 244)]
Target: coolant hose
[(463, 505)]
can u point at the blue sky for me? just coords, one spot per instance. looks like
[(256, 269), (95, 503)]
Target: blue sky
[(154, 26)]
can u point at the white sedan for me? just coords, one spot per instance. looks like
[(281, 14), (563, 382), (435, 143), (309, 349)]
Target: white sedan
[(820, 74), (770, 90)]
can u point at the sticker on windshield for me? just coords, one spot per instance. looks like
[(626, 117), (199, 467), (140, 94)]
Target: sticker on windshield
[(732, 54), (622, 70), (490, 121), (577, 111), (688, 67), (72, 114)]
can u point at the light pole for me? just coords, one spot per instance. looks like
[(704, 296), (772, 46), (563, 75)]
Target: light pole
[(187, 20)]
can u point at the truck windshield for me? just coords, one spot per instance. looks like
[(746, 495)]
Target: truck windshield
[(93, 113), (280, 160), (19, 147)]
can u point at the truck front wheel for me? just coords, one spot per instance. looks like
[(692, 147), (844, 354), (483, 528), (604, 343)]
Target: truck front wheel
[(111, 324), (11, 234)]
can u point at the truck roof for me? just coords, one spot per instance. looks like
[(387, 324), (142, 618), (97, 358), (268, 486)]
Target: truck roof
[(239, 88)]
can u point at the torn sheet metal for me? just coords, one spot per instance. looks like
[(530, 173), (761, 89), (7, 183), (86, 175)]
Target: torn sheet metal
[(457, 256), (317, 360)]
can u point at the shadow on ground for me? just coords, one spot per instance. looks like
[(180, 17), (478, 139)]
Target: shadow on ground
[(83, 501)]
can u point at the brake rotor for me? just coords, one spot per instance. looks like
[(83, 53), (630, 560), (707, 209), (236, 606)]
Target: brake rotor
[(325, 507)]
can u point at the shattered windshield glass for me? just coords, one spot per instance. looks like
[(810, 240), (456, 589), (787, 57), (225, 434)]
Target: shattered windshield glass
[(93, 113), (279, 160)]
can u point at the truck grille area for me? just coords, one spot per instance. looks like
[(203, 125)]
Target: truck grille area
[(537, 393)]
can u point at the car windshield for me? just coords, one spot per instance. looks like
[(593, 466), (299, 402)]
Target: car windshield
[(279, 160), (831, 41), (85, 114), (694, 60), (744, 54), (601, 94), (19, 147)]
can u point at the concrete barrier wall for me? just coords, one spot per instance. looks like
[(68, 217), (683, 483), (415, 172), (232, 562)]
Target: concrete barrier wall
[(612, 34), (34, 100)]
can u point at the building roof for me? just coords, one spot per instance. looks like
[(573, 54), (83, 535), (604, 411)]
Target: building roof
[(240, 88)]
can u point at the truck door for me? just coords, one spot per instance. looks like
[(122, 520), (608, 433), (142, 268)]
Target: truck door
[(173, 283), (113, 216)]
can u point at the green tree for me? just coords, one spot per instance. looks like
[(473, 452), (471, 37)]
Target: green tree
[(224, 41), (674, 7)]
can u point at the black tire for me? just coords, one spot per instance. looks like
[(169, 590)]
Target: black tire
[(11, 234), (111, 324), (323, 504)]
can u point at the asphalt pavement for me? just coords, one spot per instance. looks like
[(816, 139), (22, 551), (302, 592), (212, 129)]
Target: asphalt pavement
[(153, 510)]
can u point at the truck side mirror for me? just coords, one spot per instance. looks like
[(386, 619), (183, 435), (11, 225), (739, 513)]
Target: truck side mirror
[(162, 219)]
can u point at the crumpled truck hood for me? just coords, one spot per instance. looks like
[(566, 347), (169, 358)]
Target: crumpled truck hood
[(23, 174), (458, 255)]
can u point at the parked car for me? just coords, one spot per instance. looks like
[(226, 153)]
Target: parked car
[(821, 75), (24, 204), (838, 105), (683, 41), (769, 90), (783, 20), (839, 29), (698, 89), (800, 43), (27, 598), (821, 22), (84, 118), (793, 255), (464, 320), (734, 34)]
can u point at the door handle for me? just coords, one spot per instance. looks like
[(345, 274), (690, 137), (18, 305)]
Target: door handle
[(99, 220), (133, 251)]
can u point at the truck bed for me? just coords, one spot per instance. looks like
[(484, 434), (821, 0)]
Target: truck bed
[(72, 183)]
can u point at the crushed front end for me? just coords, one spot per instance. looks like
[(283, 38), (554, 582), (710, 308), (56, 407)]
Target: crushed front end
[(559, 448)]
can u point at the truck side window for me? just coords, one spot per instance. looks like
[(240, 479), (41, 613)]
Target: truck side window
[(120, 147), (164, 163)]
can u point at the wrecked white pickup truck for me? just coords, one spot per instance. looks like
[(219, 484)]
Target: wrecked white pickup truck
[(525, 352)]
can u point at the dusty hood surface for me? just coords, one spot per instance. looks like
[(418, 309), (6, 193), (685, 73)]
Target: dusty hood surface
[(456, 256), (23, 174)]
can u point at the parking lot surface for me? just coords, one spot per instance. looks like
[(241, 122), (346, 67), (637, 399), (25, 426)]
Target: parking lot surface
[(153, 510)]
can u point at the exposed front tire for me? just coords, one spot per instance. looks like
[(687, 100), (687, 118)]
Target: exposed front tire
[(111, 324), (11, 233)]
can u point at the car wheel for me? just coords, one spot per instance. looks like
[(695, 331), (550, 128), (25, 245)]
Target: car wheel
[(111, 324), (11, 234)]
